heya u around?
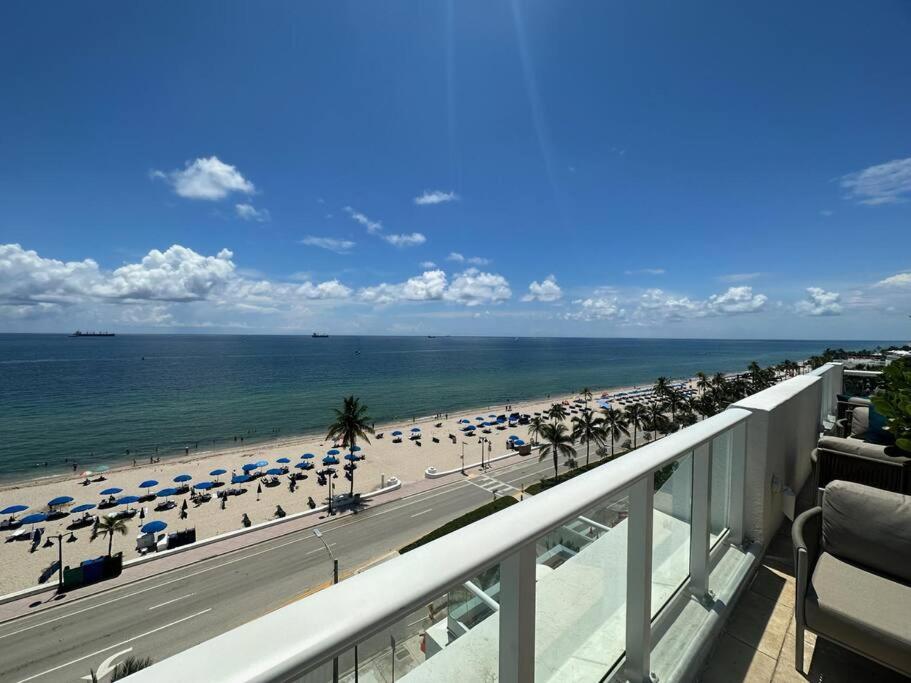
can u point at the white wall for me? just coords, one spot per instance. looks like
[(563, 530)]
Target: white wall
[(781, 434)]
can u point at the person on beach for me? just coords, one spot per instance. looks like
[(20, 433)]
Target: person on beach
[(245, 520)]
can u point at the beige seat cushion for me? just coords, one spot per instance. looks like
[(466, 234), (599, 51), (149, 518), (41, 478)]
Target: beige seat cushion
[(864, 611)]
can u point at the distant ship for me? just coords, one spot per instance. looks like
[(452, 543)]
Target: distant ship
[(319, 335), (79, 333)]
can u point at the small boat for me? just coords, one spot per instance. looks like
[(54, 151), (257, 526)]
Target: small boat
[(320, 335)]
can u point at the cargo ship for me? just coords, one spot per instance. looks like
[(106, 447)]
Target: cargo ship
[(80, 333), (320, 335)]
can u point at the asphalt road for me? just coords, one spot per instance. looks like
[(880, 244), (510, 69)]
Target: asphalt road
[(160, 616)]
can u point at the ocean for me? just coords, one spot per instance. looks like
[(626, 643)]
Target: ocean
[(91, 400)]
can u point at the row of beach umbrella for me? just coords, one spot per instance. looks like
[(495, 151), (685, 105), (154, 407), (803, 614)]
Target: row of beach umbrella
[(330, 459)]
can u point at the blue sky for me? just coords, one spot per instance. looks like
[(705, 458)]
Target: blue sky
[(700, 169)]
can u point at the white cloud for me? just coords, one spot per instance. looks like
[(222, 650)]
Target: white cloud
[(332, 289), (735, 301), (897, 280), (329, 243), (206, 178), (819, 302), (546, 291), (474, 288), (27, 279), (373, 227), (376, 228), (428, 265), (456, 257), (405, 240), (645, 271), (176, 274), (605, 307), (655, 306), (248, 212), (428, 286), (435, 197), (886, 183)]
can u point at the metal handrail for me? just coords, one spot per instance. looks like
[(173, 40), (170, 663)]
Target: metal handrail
[(298, 638)]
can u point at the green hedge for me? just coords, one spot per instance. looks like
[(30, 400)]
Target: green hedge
[(466, 519), (545, 484)]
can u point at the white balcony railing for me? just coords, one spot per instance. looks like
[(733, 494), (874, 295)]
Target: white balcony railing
[(376, 599), (671, 533)]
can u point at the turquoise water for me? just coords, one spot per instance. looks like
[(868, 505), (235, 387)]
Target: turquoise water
[(89, 400)]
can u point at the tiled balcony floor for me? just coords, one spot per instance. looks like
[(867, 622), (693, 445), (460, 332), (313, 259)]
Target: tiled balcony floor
[(757, 645)]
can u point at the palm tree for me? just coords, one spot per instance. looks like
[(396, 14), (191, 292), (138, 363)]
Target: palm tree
[(635, 418), (705, 405), (662, 386), (615, 423), (351, 423), (673, 400), (129, 666), (589, 429), (557, 412), (586, 394), (557, 442), (108, 526), (702, 382), (535, 427), (656, 419)]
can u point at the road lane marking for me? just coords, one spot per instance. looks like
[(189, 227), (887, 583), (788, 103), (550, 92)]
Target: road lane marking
[(183, 597), (318, 550), (111, 647), (418, 514)]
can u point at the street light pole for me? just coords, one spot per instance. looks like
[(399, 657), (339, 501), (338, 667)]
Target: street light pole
[(319, 535), (463, 457), (59, 538)]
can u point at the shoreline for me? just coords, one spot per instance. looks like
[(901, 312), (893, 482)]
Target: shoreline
[(200, 455)]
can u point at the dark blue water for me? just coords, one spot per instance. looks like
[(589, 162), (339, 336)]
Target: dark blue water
[(91, 399)]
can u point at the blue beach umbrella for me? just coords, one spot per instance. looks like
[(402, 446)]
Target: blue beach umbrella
[(330, 460), (128, 500), (262, 463), (304, 465), (502, 418), (307, 456), (249, 467), (153, 527), (334, 451), (355, 449), (415, 429), (34, 518), (274, 471), (13, 509), (111, 491), (479, 418), (83, 507), (59, 500), (167, 493), (518, 442), (470, 428), (182, 478), (203, 486), (149, 483), (464, 421), (218, 472), (284, 461), (239, 478), (352, 457), (396, 433), (512, 437), (492, 415)]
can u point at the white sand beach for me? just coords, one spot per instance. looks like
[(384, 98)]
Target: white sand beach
[(20, 568)]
